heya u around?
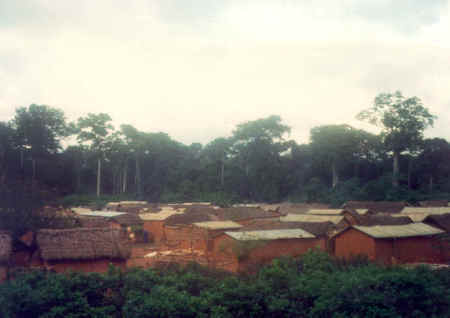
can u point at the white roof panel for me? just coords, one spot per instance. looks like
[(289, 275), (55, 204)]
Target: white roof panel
[(268, 235), (105, 214), (311, 218), (325, 211), (159, 216), (218, 225), (429, 210), (406, 230)]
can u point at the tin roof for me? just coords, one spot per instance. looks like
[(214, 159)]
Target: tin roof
[(105, 214), (311, 218), (267, 235), (218, 225), (325, 211), (362, 211), (159, 216), (79, 209), (429, 210), (392, 231), (415, 217)]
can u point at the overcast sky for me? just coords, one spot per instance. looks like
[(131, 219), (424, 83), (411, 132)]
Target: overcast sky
[(195, 69)]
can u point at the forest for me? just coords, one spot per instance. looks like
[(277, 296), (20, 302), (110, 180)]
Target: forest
[(88, 158)]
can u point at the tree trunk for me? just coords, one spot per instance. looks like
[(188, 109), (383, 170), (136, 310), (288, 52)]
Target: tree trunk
[(138, 177), (222, 172), (395, 169), (335, 174), (409, 172), (99, 169), (124, 180), (430, 184)]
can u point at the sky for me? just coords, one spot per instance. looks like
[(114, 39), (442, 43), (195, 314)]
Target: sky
[(196, 69)]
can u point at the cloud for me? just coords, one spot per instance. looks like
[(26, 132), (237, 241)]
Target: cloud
[(195, 72)]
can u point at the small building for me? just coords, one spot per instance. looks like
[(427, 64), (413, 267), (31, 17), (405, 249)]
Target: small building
[(242, 251), (377, 206), (245, 215), (82, 249), (391, 244), (153, 223), (5, 253)]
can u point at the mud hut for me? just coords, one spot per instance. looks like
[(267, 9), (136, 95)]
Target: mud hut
[(391, 244), (244, 251), (82, 249), (153, 223)]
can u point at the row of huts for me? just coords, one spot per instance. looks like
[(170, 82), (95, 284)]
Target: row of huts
[(234, 239)]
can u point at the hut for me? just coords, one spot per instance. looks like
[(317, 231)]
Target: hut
[(390, 244), (243, 251), (245, 215), (153, 223), (376, 206), (5, 253), (82, 249)]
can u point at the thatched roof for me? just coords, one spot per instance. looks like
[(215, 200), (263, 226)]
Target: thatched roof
[(5, 246), (128, 219), (244, 213), (435, 203), (82, 244), (442, 221), (376, 206), (372, 220), (93, 221)]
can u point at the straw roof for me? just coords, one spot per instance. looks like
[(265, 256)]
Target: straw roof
[(93, 221), (82, 244), (434, 203), (244, 213), (376, 206), (267, 235), (312, 218), (128, 219), (372, 220), (218, 225), (429, 210), (442, 221), (5, 246), (393, 231)]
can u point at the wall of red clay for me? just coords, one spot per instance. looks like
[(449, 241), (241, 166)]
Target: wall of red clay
[(221, 255), (417, 249), (185, 237), (279, 248), (353, 242), (384, 252), (86, 266), (156, 228)]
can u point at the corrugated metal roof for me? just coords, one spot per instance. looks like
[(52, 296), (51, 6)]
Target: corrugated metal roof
[(218, 225), (415, 217), (160, 216), (311, 218), (105, 214), (392, 231), (79, 210), (362, 211), (429, 210), (132, 202), (325, 211), (269, 235)]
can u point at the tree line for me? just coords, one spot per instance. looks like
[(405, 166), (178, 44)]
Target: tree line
[(257, 163)]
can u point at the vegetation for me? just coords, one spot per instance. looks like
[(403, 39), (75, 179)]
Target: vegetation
[(313, 286), (257, 163)]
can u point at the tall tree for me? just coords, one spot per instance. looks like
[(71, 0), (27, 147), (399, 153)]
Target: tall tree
[(334, 145), (40, 129), (216, 152), (402, 120), (94, 130), (434, 160)]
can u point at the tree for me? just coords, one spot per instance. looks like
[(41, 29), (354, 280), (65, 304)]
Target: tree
[(40, 129), (334, 145), (402, 120), (434, 160), (257, 148), (216, 152), (94, 130)]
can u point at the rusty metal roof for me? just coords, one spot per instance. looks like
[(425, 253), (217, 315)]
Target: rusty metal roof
[(311, 218), (392, 231), (269, 235), (218, 225), (429, 210)]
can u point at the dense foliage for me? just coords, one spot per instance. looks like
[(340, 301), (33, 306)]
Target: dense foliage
[(314, 286), (256, 163)]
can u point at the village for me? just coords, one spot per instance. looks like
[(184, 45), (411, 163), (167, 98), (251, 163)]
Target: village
[(237, 239)]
